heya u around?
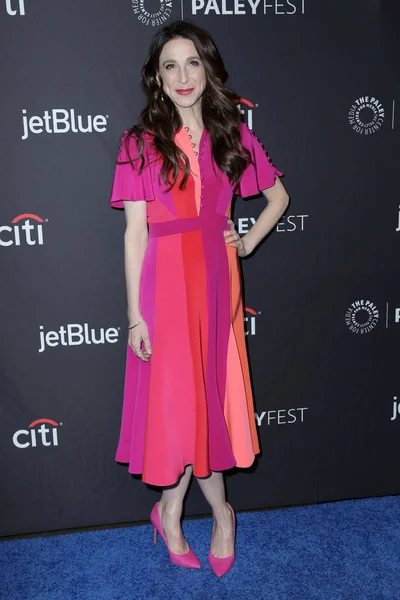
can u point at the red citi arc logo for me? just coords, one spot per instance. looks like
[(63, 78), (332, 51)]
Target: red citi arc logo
[(250, 321), (37, 436), (22, 231), (246, 109)]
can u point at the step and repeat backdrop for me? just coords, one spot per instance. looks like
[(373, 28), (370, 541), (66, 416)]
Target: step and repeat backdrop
[(319, 87)]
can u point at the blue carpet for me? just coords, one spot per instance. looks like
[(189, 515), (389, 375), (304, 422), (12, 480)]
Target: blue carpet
[(347, 550)]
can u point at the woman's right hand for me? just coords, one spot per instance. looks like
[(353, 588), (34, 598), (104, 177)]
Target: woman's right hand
[(136, 336)]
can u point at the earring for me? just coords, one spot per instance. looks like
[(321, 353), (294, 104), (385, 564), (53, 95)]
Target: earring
[(160, 85)]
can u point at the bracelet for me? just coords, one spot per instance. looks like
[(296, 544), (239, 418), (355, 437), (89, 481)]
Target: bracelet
[(136, 324)]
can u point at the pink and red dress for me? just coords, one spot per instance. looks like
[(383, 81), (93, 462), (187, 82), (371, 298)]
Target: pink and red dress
[(192, 402)]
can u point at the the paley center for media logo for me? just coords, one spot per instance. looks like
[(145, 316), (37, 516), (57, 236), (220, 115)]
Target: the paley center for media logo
[(366, 115), (281, 416), (61, 120), (248, 7), (362, 316), (286, 224), (42, 432), (152, 12), (24, 229)]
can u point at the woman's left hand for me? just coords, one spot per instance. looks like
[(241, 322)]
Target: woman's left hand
[(233, 239)]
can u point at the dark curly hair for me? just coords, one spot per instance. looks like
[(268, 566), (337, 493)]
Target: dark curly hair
[(161, 120)]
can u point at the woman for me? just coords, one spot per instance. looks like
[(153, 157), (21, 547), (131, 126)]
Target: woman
[(188, 406)]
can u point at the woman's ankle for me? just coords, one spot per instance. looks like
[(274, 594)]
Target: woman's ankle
[(170, 508), (221, 511)]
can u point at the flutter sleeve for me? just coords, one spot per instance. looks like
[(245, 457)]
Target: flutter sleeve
[(128, 184), (262, 174)]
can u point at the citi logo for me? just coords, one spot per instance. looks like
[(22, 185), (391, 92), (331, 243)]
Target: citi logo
[(37, 436), (15, 11), (23, 231), (250, 321), (75, 334), (60, 120), (246, 109)]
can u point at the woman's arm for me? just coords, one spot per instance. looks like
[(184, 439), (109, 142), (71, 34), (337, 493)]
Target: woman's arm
[(135, 244), (278, 200)]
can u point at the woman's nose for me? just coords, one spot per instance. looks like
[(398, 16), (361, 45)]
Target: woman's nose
[(183, 76)]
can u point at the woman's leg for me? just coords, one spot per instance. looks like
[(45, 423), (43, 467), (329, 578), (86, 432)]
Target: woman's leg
[(213, 488), (170, 508)]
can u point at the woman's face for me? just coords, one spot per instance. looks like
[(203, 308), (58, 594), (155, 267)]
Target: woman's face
[(181, 70)]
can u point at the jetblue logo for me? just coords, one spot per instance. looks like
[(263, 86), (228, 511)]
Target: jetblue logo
[(60, 120), (74, 334)]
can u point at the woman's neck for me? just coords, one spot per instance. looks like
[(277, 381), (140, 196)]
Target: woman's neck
[(191, 119)]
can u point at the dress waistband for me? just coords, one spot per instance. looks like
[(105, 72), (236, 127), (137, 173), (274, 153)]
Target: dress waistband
[(210, 222)]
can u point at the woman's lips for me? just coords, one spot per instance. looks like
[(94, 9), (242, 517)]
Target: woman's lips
[(185, 92)]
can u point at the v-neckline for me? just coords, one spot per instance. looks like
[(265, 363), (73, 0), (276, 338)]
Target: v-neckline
[(184, 141), (200, 140)]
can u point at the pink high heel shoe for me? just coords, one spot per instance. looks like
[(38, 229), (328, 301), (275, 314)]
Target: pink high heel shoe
[(221, 566), (189, 559)]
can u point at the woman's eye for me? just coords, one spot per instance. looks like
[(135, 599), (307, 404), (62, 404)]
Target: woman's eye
[(193, 63)]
